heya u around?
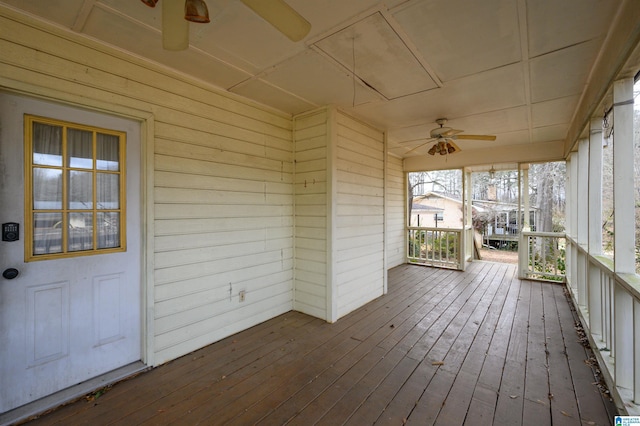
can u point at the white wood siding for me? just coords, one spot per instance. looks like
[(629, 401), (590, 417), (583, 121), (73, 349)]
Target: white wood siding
[(223, 188), (359, 200), (395, 218), (311, 199)]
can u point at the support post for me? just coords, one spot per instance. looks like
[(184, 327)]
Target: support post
[(594, 225), (623, 202), (582, 229)]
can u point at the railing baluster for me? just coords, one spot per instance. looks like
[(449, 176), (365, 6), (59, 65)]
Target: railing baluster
[(435, 246)]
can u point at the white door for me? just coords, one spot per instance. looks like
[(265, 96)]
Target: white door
[(72, 313)]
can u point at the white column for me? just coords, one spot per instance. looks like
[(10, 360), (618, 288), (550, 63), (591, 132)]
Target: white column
[(526, 226), (595, 188), (595, 227), (582, 229), (623, 200), (572, 220)]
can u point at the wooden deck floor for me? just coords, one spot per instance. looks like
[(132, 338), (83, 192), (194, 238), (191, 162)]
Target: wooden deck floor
[(478, 347)]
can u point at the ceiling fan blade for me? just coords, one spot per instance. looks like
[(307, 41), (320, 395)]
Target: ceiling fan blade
[(415, 147), (175, 29), (476, 137), (451, 132), (418, 141), (284, 18)]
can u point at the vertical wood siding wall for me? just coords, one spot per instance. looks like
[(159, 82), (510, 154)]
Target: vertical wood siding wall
[(223, 182), (395, 223), (311, 198), (359, 192)]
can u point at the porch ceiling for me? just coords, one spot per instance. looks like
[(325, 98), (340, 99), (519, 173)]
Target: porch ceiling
[(516, 69)]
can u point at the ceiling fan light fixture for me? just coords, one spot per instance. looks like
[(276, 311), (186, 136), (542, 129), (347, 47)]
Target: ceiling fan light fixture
[(433, 149), (442, 148), (150, 3), (450, 148), (196, 11)]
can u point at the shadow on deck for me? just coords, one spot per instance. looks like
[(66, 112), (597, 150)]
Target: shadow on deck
[(478, 347)]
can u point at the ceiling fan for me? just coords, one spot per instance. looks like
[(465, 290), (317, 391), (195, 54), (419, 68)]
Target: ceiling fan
[(175, 29), (445, 137)]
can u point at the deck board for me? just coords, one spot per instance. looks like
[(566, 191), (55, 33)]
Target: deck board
[(442, 347)]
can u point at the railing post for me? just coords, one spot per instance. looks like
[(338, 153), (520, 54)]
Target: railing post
[(523, 255), (636, 351), (623, 337)]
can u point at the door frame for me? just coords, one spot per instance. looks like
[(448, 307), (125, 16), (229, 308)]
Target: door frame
[(145, 119)]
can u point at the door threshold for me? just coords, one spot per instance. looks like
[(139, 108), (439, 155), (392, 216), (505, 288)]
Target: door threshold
[(69, 394)]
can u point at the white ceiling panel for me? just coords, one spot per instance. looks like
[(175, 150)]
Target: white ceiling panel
[(118, 31), (63, 12), (379, 57), (566, 23), (493, 90), (557, 111), (319, 81), (490, 123), (239, 32), (549, 133), (272, 96), (460, 38), (563, 72)]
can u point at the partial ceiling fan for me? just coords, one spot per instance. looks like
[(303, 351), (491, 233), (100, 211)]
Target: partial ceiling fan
[(445, 138), (176, 15)]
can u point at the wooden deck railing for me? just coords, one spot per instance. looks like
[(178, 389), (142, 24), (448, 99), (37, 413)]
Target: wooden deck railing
[(609, 304), (541, 255), (435, 247)]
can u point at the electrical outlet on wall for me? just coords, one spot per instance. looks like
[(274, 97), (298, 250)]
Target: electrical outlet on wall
[(242, 295)]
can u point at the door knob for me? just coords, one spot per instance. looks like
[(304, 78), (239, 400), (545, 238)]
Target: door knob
[(10, 273)]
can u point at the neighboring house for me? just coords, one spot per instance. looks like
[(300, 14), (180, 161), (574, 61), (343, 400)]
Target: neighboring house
[(500, 221), (432, 205)]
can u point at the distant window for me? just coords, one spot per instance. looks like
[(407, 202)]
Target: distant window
[(74, 184), (438, 217)]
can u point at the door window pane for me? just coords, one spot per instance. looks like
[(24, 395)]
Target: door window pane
[(47, 233), (80, 235), (108, 152), (80, 149), (108, 187), (80, 190), (47, 188), (47, 145), (108, 230)]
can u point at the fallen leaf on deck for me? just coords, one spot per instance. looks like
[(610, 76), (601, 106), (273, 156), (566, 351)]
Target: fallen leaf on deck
[(437, 363), (565, 414), (513, 396)]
